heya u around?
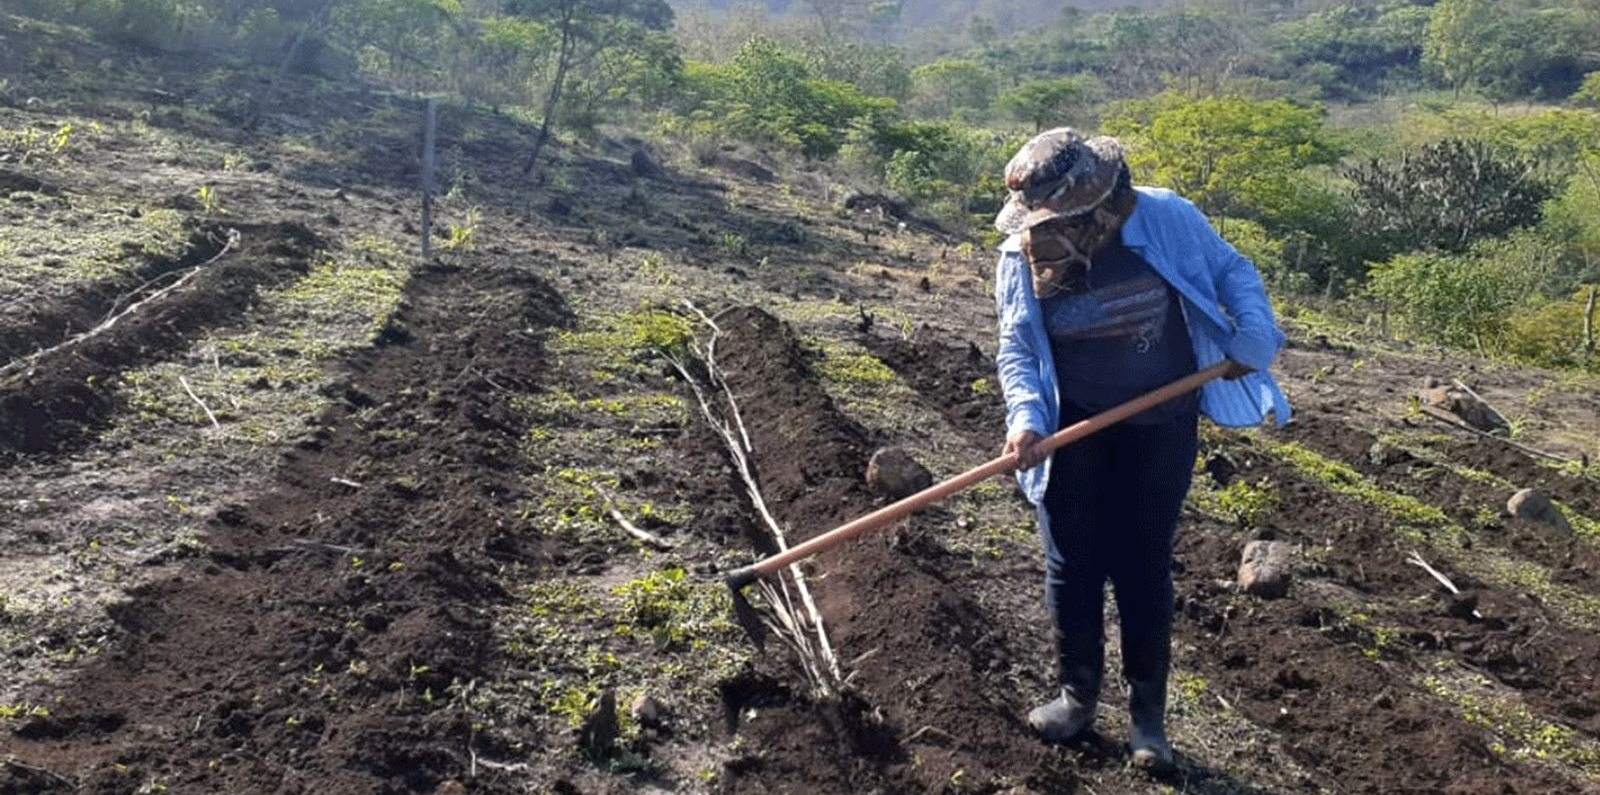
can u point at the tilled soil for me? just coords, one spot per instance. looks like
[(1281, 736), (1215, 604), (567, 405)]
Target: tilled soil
[(358, 582), (60, 391), (343, 628)]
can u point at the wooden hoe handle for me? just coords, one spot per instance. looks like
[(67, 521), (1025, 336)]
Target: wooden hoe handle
[(1001, 465)]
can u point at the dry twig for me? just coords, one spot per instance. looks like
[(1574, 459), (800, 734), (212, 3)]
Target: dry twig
[(1450, 419), (202, 403), (818, 660), (629, 527), (30, 359), (1415, 559)]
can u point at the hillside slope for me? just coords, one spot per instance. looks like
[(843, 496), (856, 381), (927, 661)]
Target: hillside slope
[(304, 514)]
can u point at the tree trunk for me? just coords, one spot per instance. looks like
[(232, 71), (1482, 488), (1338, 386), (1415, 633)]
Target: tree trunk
[(1588, 326), (288, 61), (553, 99)]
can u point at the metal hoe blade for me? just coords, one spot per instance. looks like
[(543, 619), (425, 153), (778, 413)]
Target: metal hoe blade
[(744, 612)]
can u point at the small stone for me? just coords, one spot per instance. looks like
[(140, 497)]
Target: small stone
[(648, 712), (1535, 507), (1222, 468), (1264, 569), (1463, 605), (894, 472)]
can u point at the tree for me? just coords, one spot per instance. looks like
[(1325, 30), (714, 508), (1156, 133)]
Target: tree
[(584, 29), (1445, 196), (943, 88), (769, 94), (1572, 220), (1049, 102), (1227, 154), (1458, 42), (1463, 299), (1196, 49), (1588, 93), (1356, 48)]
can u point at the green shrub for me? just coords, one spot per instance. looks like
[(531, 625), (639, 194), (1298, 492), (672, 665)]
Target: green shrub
[(1464, 300)]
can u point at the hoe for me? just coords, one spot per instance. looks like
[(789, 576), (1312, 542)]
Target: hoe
[(767, 567)]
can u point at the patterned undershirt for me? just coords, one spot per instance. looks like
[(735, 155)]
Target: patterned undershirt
[(1120, 337)]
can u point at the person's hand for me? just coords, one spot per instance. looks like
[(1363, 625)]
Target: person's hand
[(1025, 446), (1236, 370)]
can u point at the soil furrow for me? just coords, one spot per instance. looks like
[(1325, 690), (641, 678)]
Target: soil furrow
[(331, 643), (932, 714), (60, 398)]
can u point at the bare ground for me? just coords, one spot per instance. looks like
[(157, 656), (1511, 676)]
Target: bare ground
[(327, 519)]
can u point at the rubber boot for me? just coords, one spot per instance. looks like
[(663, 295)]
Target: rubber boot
[(1079, 663), (1147, 707)]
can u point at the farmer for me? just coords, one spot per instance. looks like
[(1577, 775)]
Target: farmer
[(1106, 291)]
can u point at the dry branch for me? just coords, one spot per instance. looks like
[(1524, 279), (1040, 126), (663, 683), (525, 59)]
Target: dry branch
[(818, 660), (629, 527), (36, 770), (1588, 323), (1416, 560), (30, 359), (203, 407), (1450, 419)]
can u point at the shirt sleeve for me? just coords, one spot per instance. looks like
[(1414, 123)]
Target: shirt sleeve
[(1017, 361), (1257, 338)]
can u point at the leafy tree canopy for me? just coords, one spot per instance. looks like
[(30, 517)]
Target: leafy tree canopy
[(1227, 154)]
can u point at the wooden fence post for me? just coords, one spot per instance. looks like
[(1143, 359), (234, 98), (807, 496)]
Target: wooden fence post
[(428, 133)]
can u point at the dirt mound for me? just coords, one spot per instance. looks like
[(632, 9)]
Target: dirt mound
[(960, 381), (326, 647), (51, 399), (926, 650), (13, 182)]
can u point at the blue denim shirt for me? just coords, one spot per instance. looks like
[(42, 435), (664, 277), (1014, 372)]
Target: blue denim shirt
[(1224, 305)]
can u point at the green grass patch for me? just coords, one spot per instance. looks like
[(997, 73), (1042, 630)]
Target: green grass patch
[(1412, 514), (1425, 524), (661, 633), (864, 387), (1584, 526), (1243, 504), (48, 246), (260, 378), (628, 344), (1519, 733)]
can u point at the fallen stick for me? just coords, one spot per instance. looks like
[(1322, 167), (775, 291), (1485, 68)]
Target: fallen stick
[(203, 406), (820, 662), (1415, 559), (14, 762), (629, 527), (1449, 419), (233, 240)]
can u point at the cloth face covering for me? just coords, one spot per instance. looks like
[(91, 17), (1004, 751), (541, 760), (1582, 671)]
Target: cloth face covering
[(1059, 251)]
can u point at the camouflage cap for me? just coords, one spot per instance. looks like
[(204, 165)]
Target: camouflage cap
[(1058, 173)]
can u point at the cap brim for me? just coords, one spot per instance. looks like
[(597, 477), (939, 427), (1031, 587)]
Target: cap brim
[(1015, 217)]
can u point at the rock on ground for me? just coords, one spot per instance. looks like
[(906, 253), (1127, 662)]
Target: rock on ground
[(1264, 569), (894, 472), (600, 730), (1533, 506), (1468, 407)]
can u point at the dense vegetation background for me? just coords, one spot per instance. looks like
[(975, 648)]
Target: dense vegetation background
[(1430, 169)]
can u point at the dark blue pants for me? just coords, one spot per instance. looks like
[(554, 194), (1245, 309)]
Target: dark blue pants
[(1110, 513)]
